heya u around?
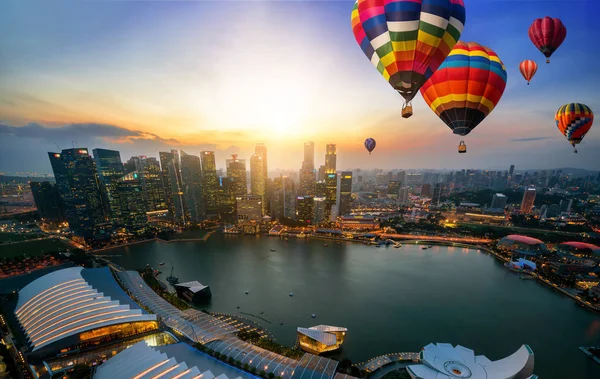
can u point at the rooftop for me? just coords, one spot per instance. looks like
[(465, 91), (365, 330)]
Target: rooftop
[(524, 239), (194, 286), (318, 335)]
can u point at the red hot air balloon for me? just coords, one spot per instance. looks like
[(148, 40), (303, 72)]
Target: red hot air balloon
[(528, 68), (547, 34)]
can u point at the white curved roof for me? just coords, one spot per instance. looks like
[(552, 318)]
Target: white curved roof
[(328, 328), (317, 335), (443, 361), (63, 303)]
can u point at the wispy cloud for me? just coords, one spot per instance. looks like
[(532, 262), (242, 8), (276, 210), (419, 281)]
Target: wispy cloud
[(531, 139)]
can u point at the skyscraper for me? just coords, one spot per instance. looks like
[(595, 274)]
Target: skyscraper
[(210, 183), (236, 170), (321, 173), (426, 190), (403, 196), (148, 169), (257, 179), (78, 185), (248, 208), (48, 201), (191, 176), (131, 202), (330, 178), (169, 162), (528, 200), (110, 170), (261, 150), (308, 175), (309, 155), (498, 202), (344, 194), (226, 199), (284, 196), (437, 193), (305, 209)]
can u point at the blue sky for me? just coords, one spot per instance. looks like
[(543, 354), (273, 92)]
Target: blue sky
[(144, 76)]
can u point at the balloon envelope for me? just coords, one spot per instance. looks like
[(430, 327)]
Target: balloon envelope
[(466, 87), (407, 40), (574, 121), (528, 68), (547, 34), (370, 144)]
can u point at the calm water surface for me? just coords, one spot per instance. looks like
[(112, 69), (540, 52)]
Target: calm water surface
[(391, 300)]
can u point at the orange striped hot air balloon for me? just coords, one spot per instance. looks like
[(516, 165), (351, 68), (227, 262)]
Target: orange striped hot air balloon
[(528, 68), (574, 121), (466, 87)]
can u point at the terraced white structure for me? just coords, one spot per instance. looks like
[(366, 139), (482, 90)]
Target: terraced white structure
[(443, 361), (321, 338), (74, 305)]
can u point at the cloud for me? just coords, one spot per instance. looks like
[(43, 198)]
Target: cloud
[(531, 139)]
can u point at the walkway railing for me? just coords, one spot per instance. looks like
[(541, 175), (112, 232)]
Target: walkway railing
[(378, 362)]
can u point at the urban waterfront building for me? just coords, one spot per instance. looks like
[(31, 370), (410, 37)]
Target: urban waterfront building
[(528, 200), (48, 202), (261, 150), (522, 245), (148, 168), (258, 180), (110, 171), (210, 183), (305, 209), (72, 308), (131, 203), (344, 194), (249, 208), (236, 170), (169, 163), (442, 360), (191, 176), (308, 175), (321, 338), (330, 178), (193, 292), (319, 210), (226, 199), (78, 186)]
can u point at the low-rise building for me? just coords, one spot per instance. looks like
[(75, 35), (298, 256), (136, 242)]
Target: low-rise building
[(193, 292), (321, 338)]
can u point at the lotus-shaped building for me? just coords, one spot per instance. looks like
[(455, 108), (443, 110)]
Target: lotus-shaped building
[(444, 361)]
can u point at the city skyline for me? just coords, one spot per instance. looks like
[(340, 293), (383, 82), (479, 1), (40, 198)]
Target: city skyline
[(165, 83)]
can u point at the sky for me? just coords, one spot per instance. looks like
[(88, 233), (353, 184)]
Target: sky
[(148, 76)]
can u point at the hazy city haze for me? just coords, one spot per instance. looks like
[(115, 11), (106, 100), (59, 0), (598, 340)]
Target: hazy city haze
[(144, 76)]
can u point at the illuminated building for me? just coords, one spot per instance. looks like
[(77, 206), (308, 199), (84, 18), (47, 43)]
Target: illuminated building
[(528, 200), (193, 292), (344, 193), (75, 307), (261, 150), (169, 163), (191, 176), (321, 174), (442, 360), (48, 201), (78, 186), (358, 222), (305, 209), (110, 170), (319, 209), (236, 170), (248, 208), (498, 202), (148, 169), (131, 202), (210, 182), (522, 245), (258, 180), (226, 199), (321, 338), (330, 178), (578, 251), (283, 203)]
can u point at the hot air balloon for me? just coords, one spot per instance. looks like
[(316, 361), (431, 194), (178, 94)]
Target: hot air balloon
[(407, 40), (547, 34), (370, 144), (466, 87), (528, 68), (574, 121)]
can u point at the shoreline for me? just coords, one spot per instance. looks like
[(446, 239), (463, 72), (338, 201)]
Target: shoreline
[(203, 239)]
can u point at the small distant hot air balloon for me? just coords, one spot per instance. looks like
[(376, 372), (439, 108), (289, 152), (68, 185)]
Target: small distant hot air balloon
[(528, 68), (370, 144), (574, 121), (407, 40), (547, 34), (466, 87)]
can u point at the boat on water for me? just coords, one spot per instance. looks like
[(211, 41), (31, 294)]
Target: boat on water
[(272, 249), (325, 245), (397, 246), (301, 235), (429, 246), (161, 264), (247, 292), (291, 294), (424, 247), (313, 315)]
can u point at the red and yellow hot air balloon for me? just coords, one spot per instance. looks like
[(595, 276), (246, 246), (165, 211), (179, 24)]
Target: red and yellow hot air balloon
[(547, 34), (407, 40), (528, 68), (574, 121), (466, 87)]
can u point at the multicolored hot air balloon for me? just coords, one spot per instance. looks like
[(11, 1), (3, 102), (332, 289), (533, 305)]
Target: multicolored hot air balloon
[(466, 87), (574, 121), (547, 34), (407, 40), (370, 144), (528, 68)]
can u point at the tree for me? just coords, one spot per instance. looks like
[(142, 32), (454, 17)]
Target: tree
[(271, 375), (263, 373)]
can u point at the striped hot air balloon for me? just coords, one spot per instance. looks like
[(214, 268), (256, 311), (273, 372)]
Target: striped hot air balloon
[(574, 121), (407, 40), (528, 68), (466, 87), (547, 34), (370, 145)]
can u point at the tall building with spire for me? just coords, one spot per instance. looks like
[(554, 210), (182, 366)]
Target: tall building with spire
[(210, 183), (257, 179), (191, 176), (236, 170), (308, 175), (330, 179), (261, 150)]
